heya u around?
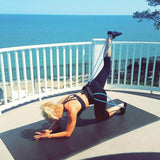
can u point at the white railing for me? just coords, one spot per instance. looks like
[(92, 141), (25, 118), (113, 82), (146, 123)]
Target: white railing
[(144, 56), (33, 72)]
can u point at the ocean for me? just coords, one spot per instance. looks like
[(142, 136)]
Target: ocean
[(22, 30)]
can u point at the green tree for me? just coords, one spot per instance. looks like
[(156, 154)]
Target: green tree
[(153, 15)]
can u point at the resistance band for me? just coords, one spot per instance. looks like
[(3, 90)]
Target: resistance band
[(93, 74), (112, 102)]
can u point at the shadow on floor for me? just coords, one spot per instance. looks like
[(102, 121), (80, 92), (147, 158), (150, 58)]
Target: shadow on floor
[(129, 156), (149, 95), (87, 134)]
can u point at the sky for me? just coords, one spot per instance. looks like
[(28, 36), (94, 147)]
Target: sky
[(72, 7)]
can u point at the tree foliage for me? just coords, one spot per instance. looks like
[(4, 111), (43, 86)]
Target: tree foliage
[(150, 15)]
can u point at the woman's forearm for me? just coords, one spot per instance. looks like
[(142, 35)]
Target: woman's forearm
[(54, 135), (59, 135)]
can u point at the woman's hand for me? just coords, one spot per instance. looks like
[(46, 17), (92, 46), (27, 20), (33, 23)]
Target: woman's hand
[(43, 135), (47, 131)]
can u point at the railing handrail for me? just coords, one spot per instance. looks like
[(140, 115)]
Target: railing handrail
[(136, 42), (8, 49), (43, 46), (131, 42)]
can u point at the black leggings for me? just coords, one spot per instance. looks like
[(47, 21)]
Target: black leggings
[(104, 73), (97, 86), (100, 107)]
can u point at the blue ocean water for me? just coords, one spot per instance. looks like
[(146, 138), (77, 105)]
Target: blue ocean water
[(20, 30)]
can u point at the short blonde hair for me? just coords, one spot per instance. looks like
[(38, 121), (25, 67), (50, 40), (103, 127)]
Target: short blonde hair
[(50, 111)]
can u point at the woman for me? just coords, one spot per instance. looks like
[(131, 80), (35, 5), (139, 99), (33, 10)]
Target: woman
[(76, 103)]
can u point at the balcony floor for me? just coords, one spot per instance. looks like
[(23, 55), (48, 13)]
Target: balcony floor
[(132, 136)]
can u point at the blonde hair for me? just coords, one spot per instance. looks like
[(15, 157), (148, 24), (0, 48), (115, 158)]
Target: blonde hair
[(50, 111)]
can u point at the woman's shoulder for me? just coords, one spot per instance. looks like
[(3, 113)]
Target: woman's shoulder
[(72, 106)]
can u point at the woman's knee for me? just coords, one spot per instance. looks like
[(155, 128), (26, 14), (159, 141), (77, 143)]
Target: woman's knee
[(102, 117), (100, 112)]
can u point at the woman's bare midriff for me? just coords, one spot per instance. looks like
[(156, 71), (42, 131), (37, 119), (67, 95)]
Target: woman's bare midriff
[(84, 98)]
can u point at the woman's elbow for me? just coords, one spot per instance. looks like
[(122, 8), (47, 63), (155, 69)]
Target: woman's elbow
[(68, 135)]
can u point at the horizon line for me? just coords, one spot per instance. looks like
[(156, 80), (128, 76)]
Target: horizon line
[(67, 14)]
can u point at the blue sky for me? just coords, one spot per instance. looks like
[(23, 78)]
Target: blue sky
[(72, 7)]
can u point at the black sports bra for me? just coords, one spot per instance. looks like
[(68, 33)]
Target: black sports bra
[(75, 97)]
